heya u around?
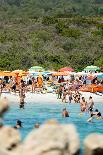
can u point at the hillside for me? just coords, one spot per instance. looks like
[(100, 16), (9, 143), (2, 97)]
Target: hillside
[(52, 33)]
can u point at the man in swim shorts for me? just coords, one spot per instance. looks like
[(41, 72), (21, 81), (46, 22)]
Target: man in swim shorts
[(65, 113)]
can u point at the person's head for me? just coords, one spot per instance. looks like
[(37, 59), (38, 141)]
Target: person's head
[(19, 123), (96, 110), (83, 99), (91, 110), (22, 81), (99, 114), (33, 78), (90, 97), (36, 125)]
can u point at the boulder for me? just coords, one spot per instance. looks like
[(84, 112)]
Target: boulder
[(4, 152), (3, 105), (52, 139), (93, 144), (9, 138)]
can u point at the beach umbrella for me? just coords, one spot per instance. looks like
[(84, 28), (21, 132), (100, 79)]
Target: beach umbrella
[(48, 73), (7, 74), (17, 71), (66, 69), (36, 69), (91, 68), (82, 74), (60, 74), (23, 73)]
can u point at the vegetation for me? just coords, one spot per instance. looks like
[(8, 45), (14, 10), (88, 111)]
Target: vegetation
[(51, 33)]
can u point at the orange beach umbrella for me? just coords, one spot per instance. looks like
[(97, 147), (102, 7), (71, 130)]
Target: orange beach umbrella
[(7, 74)]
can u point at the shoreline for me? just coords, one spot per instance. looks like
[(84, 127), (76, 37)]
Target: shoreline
[(47, 98)]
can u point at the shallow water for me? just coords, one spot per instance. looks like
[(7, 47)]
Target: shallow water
[(39, 113)]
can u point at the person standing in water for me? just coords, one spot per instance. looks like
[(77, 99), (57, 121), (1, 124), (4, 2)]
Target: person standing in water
[(59, 92), (65, 113), (64, 96), (91, 103), (70, 96), (83, 105), (22, 102), (22, 94)]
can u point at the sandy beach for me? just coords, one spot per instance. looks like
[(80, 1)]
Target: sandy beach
[(47, 98)]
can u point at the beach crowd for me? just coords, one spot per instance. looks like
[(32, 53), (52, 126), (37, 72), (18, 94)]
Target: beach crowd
[(68, 91)]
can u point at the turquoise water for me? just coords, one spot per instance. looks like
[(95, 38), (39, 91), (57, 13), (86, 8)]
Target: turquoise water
[(39, 113)]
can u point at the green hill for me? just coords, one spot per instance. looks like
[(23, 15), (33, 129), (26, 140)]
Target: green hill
[(51, 33)]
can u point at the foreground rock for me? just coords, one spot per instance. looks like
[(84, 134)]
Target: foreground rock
[(93, 145), (52, 139), (9, 138), (3, 106), (4, 152)]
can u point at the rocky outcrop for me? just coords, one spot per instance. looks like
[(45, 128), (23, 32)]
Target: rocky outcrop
[(9, 138), (52, 139), (93, 145), (4, 152)]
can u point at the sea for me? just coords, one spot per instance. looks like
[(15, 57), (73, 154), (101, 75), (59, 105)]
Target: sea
[(34, 112)]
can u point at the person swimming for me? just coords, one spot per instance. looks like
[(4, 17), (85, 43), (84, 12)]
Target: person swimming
[(21, 102), (95, 114), (65, 113), (18, 124), (98, 114)]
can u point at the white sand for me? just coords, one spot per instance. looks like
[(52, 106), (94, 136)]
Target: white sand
[(47, 98), (32, 97)]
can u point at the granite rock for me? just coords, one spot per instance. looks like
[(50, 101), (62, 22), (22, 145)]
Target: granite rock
[(9, 138), (52, 139), (93, 144), (4, 105)]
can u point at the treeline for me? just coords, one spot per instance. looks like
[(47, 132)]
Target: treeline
[(35, 33)]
